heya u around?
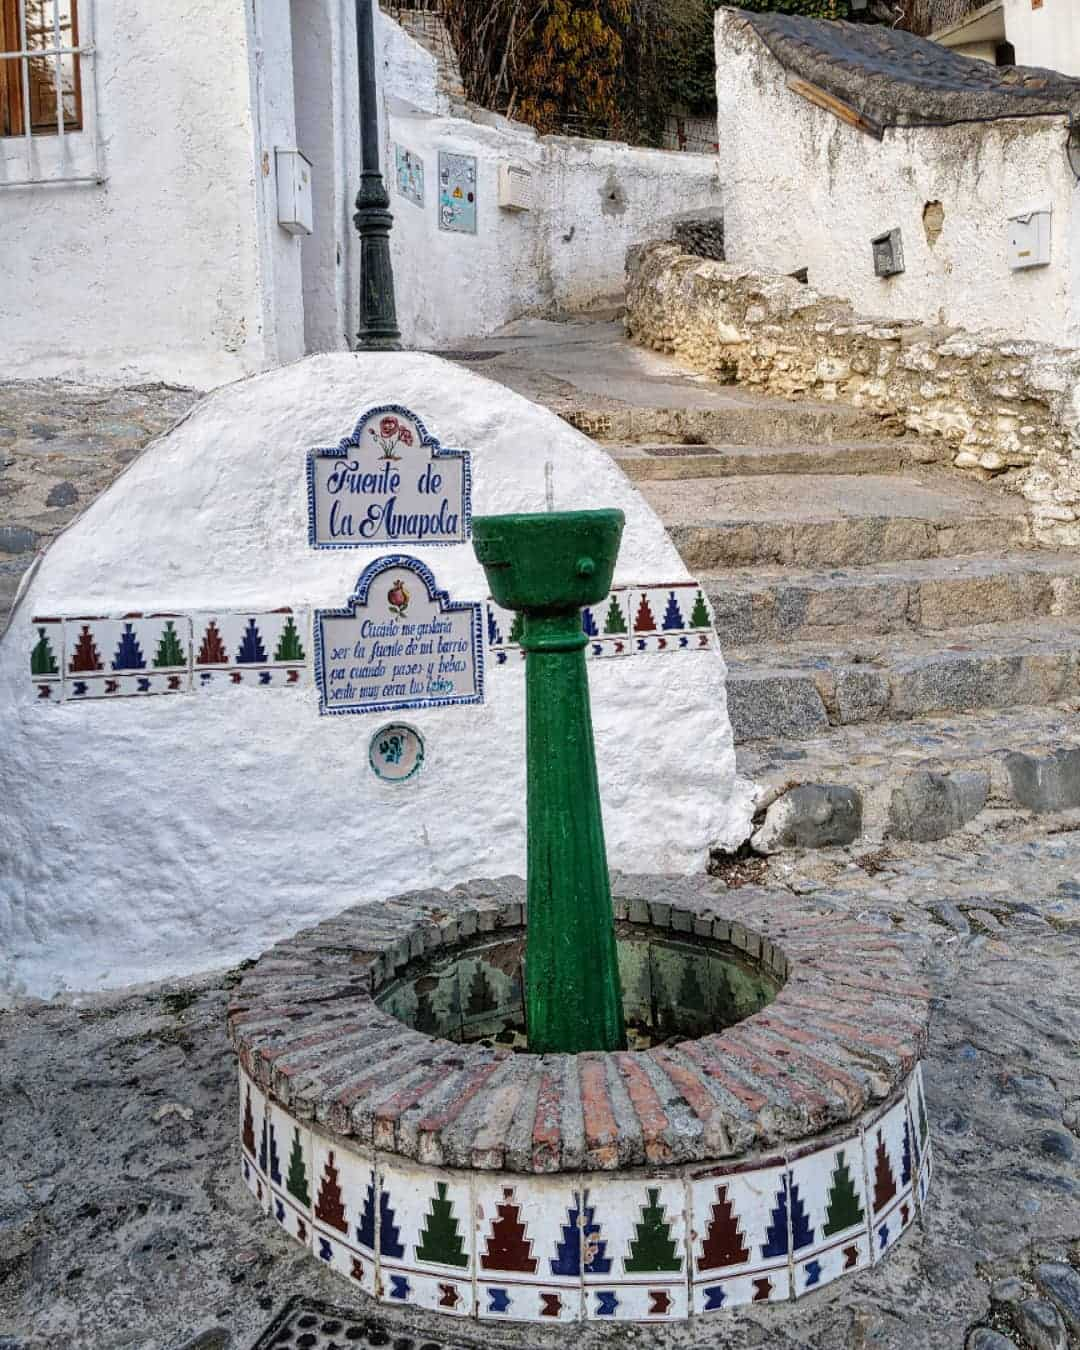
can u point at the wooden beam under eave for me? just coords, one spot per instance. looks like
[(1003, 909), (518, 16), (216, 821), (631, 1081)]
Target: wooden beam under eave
[(844, 111)]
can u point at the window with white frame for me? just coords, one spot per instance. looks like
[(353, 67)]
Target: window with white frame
[(41, 90)]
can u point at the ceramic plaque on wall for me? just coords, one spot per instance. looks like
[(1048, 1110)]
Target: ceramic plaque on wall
[(457, 192), (390, 482), (410, 174), (400, 642)]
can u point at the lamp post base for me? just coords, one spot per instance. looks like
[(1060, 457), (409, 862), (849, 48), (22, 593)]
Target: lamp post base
[(378, 314)]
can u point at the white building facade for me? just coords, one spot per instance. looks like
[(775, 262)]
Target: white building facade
[(1025, 32), (830, 146), (139, 219)]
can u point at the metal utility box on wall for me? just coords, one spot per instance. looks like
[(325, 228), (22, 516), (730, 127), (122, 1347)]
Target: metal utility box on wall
[(515, 187), (888, 254), (1029, 239), (293, 191)]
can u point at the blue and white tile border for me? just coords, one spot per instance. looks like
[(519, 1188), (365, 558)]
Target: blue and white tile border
[(642, 1246)]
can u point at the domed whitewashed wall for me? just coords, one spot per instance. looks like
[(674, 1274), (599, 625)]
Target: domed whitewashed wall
[(145, 836)]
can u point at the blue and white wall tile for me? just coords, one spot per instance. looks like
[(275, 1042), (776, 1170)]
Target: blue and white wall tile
[(426, 1240), (254, 1136), (528, 1249), (741, 1238), (889, 1160), (634, 1251), (344, 1211), (290, 1175), (830, 1217)]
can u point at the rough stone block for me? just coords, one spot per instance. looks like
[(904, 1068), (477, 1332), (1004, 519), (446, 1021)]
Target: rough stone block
[(1045, 783), (861, 695), (812, 815), (775, 705), (929, 806), (986, 1338), (1062, 1284), (1040, 1325)]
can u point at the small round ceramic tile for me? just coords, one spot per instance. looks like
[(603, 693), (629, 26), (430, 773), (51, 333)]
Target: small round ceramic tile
[(396, 753)]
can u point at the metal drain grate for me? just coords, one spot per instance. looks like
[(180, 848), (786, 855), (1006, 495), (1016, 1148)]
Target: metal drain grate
[(308, 1324)]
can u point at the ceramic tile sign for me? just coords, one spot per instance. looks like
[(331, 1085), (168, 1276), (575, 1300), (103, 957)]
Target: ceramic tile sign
[(396, 753), (400, 642), (410, 174), (390, 482), (457, 193)]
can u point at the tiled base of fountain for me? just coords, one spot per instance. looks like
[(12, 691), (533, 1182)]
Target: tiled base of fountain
[(782, 1147)]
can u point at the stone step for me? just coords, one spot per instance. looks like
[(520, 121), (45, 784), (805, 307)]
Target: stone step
[(797, 690), (822, 520), (780, 605), (922, 779), (722, 417), (644, 463)]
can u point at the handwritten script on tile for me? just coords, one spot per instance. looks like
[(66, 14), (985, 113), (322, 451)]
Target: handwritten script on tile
[(390, 482), (400, 642)]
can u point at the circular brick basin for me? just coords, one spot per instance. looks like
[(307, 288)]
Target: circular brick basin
[(771, 1138)]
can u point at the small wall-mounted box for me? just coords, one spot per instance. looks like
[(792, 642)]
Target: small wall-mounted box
[(293, 191), (888, 254), (515, 187), (1029, 239)]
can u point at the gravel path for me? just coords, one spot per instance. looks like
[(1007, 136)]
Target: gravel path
[(62, 444)]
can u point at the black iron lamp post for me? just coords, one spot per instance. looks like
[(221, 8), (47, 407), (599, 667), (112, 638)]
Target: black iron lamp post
[(378, 313)]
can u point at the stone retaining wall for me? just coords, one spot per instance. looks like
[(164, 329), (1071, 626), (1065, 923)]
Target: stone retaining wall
[(990, 406)]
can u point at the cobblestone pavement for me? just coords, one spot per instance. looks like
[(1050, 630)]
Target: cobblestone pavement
[(123, 1221), (61, 445)]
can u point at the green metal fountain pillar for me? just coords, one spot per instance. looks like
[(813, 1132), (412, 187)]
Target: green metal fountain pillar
[(546, 567)]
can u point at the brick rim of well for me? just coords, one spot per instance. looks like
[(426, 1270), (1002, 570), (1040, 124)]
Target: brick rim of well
[(841, 1037)]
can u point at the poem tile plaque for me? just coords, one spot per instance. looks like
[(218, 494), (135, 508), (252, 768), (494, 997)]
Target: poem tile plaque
[(400, 642)]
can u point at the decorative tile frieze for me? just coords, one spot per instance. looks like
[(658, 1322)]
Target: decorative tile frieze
[(632, 1247), (81, 657), (472, 1181), (631, 620)]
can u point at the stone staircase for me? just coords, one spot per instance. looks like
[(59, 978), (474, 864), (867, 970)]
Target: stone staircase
[(893, 637), (888, 629)]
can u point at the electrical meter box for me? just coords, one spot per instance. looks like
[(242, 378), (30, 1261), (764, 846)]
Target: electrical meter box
[(1029, 239), (293, 191), (515, 187)]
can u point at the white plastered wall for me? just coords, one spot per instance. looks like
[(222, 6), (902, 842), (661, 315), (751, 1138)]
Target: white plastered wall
[(177, 269), (592, 199), (161, 835), (803, 189), (154, 273), (1048, 36)]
